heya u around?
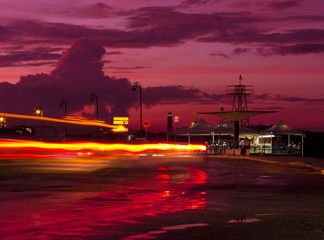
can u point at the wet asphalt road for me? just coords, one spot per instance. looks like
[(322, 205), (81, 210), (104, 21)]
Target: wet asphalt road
[(159, 197)]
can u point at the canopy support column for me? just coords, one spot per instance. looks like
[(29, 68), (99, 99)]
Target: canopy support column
[(236, 134)]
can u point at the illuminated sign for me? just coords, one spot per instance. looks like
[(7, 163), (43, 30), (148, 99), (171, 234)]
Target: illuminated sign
[(146, 123), (120, 121)]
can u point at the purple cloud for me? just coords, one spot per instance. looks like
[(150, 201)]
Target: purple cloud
[(165, 26), (240, 51), (299, 99), (79, 74), (29, 57), (193, 3), (257, 36), (299, 49), (267, 97), (220, 54), (170, 94), (284, 4), (296, 49)]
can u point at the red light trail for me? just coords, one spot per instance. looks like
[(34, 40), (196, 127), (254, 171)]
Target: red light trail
[(77, 147)]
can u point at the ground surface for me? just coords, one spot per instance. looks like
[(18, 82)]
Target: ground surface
[(160, 197)]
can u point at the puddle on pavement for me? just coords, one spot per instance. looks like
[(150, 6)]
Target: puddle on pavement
[(153, 234), (244, 220), (148, 235), (184, 226)]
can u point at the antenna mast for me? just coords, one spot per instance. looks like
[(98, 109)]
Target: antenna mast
[(239, 93)]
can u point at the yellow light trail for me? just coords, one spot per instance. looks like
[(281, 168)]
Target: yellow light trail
[(94, 146), (70, 120)]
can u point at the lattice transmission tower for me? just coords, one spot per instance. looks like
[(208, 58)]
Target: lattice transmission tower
[(239, 93)]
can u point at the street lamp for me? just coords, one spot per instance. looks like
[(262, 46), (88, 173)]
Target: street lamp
[(40, 112), (2, 122), (138, 84), (63, 104), (92, 97)]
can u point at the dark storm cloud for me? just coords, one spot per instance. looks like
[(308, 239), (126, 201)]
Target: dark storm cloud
[(79, 74), (284, 4)]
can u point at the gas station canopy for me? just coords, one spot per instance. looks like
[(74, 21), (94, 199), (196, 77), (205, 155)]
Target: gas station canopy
[(237, 115)]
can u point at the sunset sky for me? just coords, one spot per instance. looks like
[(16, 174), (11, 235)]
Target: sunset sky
[(183, 53)]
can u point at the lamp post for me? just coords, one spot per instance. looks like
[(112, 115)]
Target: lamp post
[(2, 122), (135, 85), (40, 112), (92, 97), (63, 104)]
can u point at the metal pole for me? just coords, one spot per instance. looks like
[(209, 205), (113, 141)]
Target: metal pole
[(302, 146), (39, 112), (138, 84), (236, 135), (42, 122), (141, 112)]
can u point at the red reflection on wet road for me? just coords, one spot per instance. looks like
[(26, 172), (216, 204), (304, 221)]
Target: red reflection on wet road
[(87, 214)]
